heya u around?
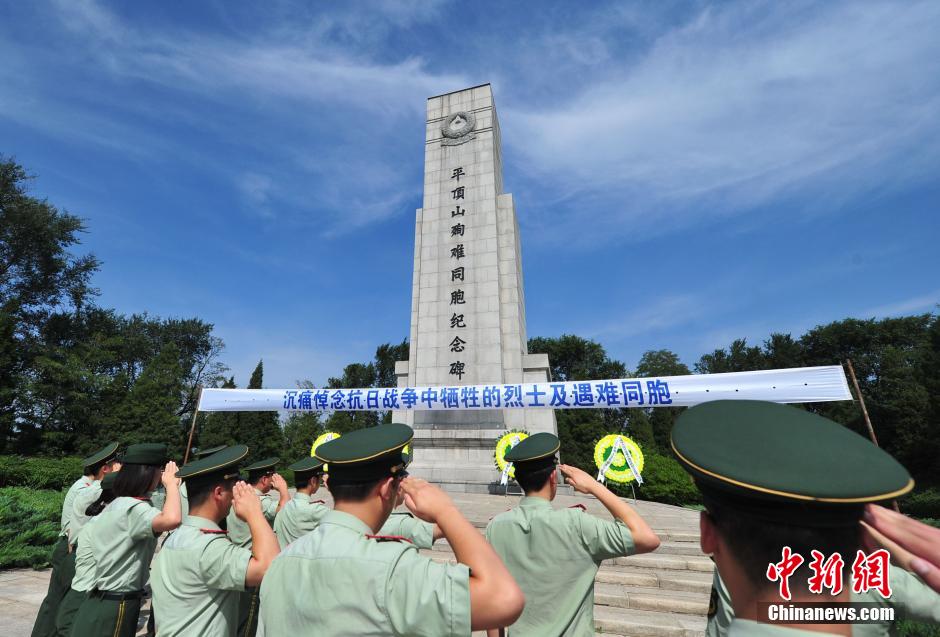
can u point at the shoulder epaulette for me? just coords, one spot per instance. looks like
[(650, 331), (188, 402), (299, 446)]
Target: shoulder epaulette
[(389, 538), (578, 506), (403, 513), (318, 502), (214, 531), (141, 498)]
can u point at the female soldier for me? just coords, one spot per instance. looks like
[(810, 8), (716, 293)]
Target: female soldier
[(84, 560), (122, 542)]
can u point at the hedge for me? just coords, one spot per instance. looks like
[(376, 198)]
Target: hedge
[(39, 473), (29, 526), (922, 504), (664, 481)]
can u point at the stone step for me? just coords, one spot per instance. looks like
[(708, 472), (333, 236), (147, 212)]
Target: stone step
[(612, 621), (689, 581), (698, 563), (646, 598)]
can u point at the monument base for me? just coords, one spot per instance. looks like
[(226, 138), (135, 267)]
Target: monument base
[(460, 461)]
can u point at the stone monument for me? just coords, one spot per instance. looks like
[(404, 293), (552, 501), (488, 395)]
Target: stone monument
[(468, 307)]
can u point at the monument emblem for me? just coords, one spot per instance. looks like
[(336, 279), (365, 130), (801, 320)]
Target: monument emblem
[(458, 129), (468, 306)]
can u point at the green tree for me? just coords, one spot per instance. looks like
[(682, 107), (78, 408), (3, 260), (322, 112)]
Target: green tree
[(300, 430), (574, 358), (661, 362), (260, 430), (148, 411), (221, 427)]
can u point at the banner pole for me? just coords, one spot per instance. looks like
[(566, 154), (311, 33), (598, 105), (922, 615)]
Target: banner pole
[(192, 426), (861, 402)]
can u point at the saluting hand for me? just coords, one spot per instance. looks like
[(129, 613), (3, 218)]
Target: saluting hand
[(245, 502), (425, 500), (169, 475), (580, 481), (280, 485)]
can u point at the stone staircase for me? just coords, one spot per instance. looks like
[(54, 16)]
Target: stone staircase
[(664, 593)]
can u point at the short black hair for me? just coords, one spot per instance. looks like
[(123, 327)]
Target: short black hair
[(757, 543), (533, 480), (302, 481), (198, 491), (135, 480), (343, 491), (254, 477)]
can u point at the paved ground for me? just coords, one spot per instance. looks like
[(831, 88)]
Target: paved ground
[(22, 591)]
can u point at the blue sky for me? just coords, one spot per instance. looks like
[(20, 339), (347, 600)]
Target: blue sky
[(684, 173)]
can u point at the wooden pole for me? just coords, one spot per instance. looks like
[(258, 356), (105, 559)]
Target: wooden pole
[(861, 402), (192, 427)]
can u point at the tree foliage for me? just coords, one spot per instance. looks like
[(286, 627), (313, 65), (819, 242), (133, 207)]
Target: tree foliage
[(72, 373)]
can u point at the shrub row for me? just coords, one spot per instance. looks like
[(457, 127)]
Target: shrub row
[(39, 473), (29, 526)]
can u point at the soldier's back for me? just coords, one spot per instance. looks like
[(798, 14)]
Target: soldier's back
[(338, 580)]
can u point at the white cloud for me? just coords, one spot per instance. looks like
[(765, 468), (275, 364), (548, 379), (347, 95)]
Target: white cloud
[(916, 304), (740, 108)]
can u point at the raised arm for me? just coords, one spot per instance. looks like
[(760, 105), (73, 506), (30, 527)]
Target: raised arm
[(264, 546), (495, 598), (644, 538), (281, 486), (172, 514)]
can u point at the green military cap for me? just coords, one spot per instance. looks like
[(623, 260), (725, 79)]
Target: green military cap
[(222, 465), (367, 454), (261, 468), (107, 452), (783, 464), (202, 453), (535, 452), (306, 465), (146, 453)]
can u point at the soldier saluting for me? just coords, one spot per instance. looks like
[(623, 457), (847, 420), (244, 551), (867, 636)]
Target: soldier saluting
[(341, 579), (199, 574)]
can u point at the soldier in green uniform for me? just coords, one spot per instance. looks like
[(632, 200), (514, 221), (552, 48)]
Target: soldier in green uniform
[(63, 560), (302, 514), (199, 454), (263, 478), (84, 559), (342, 580), (775, 476), (911, 600), (199, 573), (122, 542), (554, 554)]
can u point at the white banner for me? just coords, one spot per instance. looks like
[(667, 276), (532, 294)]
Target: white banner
[(798, 385)]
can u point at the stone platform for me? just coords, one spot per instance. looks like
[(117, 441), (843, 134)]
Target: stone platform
[(658, 594)]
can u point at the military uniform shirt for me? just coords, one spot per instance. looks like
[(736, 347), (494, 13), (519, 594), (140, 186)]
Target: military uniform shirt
[(554, 554), (84, 578), (158, 497), (196, 580), (238, 530), (298, 517), (123, 543), (336, 581), (910, 598), (79, 484), (83, 498), (719, 609), (420, 533), (184, 501)]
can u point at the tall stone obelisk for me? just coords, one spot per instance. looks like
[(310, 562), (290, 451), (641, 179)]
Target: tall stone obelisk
[(468, 307)]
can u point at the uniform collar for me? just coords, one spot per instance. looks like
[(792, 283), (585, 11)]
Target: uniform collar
[(535, 502), (744, 627), (259, 493), (347, 521), (303, 497), (200, 523)]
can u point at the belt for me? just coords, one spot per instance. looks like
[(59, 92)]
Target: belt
[(117, 597)]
